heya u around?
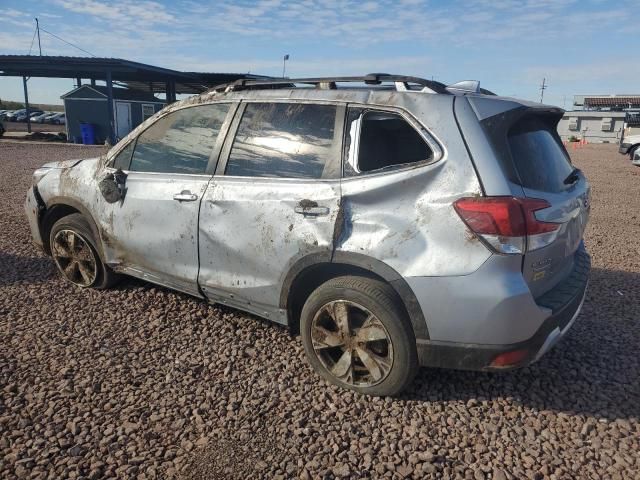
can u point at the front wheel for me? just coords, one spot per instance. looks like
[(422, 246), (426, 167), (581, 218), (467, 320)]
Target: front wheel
[(356, 335), (75, 253)]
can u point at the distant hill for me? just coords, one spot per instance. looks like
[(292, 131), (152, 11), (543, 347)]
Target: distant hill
[(9, 105)]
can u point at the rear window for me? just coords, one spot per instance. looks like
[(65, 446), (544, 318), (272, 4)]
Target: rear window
[(540, 160)]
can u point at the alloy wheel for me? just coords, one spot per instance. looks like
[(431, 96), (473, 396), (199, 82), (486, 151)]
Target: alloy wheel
[(352, 343), (75, 258)]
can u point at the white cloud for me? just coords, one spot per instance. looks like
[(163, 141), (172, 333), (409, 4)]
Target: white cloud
[(120, 11)]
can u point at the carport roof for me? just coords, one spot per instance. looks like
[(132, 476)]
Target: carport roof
[(134, 75)]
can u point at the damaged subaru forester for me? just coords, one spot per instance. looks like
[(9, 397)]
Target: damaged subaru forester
[(393, 221)]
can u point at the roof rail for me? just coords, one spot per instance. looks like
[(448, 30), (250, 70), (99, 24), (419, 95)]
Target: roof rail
[(402, 83)]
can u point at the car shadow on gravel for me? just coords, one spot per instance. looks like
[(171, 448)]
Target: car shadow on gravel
[(594, 370), (16, 269)]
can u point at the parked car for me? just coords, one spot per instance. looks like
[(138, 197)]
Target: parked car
[(397, 224), (57, 119), (22, 117), (4, 115), (39, 118), (12, 117), (2, 130), (630, 138)]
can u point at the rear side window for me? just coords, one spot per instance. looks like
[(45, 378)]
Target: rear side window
[(180, 142), (539, 158), (378, 140), (290, 140)]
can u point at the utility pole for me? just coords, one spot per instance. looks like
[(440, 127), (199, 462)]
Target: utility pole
[(284, 63), (543, 87), (38, 30)]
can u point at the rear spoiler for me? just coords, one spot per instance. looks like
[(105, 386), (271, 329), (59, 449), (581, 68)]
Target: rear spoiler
[(468, 86)]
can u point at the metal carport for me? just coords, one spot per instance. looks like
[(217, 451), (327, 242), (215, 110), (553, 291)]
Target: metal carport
[(134, 75)]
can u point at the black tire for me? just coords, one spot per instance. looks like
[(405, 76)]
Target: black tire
[(104, 277), (632, 150), (379, 300)]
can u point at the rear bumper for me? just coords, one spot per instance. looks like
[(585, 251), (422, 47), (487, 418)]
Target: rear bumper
[(565, 302)]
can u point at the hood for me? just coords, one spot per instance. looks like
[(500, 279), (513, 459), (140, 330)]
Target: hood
[(62, 164)]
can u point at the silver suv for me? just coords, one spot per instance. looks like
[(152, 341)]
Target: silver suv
[(392, 221)]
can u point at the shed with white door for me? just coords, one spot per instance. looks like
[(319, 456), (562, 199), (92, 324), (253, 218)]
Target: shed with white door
[(89, 104)]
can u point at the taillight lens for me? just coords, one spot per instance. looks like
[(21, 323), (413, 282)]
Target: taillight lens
[(507, 224)]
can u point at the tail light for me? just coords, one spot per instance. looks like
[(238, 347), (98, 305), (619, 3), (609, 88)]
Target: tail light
[(507, 224)]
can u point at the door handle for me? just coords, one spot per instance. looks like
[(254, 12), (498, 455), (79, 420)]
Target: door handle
[(315, 211), (185, 196)]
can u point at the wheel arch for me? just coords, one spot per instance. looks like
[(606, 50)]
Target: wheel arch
[(311, 271), (60, 207)]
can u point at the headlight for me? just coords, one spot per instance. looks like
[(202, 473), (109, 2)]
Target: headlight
[(39, 173)]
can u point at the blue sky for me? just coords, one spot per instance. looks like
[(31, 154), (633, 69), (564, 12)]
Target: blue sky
[(580, 46)]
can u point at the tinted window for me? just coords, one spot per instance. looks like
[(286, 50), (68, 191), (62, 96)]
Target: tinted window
[(386, 140), (539, 157), (180, 142), (284, 140), (124, 157)]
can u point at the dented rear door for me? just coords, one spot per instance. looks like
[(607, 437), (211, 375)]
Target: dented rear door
[(273, 201)]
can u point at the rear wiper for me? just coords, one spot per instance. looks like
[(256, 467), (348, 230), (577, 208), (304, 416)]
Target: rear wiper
[(573, 177)]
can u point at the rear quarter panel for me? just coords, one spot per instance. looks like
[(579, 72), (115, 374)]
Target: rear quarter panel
[(406, 218)]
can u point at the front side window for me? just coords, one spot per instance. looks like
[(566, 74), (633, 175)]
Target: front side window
[(379, 140), (123, 158), (290, 140), (180, 142)]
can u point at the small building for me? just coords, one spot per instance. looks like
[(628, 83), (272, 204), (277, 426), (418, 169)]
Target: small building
[(88, 104), (592, 125)]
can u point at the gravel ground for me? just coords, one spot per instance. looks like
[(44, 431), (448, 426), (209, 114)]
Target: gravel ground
[(144, 382)]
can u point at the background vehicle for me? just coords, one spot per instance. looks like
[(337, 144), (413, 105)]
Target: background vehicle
[(39, 118), (57, 119), (398, 224), (12, 117), (2, 130), (630, 139), (22, 117)]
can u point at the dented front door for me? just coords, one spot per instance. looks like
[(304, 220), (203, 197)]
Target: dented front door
[(274, 202), (152, 233)]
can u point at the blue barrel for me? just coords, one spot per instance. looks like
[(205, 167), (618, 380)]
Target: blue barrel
[(88, 132)]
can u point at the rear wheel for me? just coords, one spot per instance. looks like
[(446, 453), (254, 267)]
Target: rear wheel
[(356, 335), (75, 253)]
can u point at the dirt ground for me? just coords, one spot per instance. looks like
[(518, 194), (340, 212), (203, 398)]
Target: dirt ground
[(35, 127), (143, 382)]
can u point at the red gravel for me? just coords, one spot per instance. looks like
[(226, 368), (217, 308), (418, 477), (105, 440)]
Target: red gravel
[(143, 382)]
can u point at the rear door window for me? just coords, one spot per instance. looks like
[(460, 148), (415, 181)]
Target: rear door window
[(180, 142), (379, 140), (539, 158), (288, 140)]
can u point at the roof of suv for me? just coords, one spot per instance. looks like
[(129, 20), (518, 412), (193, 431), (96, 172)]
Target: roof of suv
[(374, 88), (371, 81)]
